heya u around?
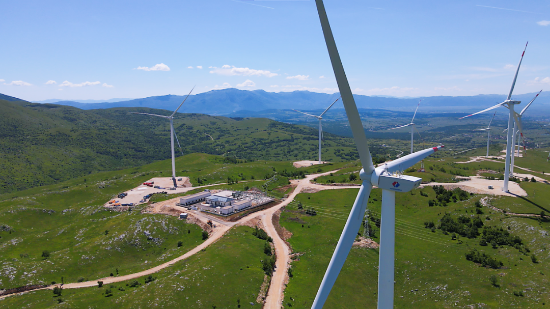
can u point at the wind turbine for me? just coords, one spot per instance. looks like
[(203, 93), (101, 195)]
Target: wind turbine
[(383, 177), (320, 117), (518, 123), (172, 134), (412, 125), (510, 105), (488, 129)]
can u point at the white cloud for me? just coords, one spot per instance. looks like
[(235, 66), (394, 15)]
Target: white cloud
[(156, 67), (18, 83), (288, 88), (2, 80), (322, 76), (247, 83), (298, 77), (199, 67), (107, 86), (51, 82), (189, 67), (232, 70), (544, 23), (539, 81), (69, 84), (223, 86), (509, 67)]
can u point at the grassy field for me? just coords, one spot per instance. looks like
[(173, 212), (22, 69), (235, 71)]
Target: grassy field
[(226, 274), (87, 242), (431, 268)]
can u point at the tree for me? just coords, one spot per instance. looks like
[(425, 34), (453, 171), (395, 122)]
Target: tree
[(267, 248), (180, 243), (533, 179), (494, 281), (57, 291), (204, 235), (45, 254), (100, 284), (352, 177)]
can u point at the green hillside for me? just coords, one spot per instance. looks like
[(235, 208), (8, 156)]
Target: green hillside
[(43, 144)]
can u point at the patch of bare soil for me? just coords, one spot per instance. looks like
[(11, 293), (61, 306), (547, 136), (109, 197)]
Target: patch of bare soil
[(486, 171), (283, 233), (253, 223), (263, 290), (309, 190), (297, 220), (21, 289), (366, 243)]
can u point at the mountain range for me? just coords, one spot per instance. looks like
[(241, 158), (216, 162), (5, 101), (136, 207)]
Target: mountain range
[(237, 102)]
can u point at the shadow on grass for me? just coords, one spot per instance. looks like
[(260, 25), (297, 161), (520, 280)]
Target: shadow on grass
[(529, 201)]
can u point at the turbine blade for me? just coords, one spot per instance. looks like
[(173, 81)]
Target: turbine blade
[(181, 150), (341, 252), (483, 111), (517, 118), (517, 71), (407, 161), (491, 120), (526, 107), (400, 126), (326, 110), (183, 102), (416, 111), (345, 91), (306, 114), (149, 114)]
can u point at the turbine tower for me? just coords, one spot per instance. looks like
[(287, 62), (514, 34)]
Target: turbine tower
[(488, 129), (383, 177), (320, 117), (519, 124), (172, 134), (412, 125), (510, 105)]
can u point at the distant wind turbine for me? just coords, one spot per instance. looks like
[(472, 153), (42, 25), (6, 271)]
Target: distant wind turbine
[(320, 117), (488, 129), (412, 125), (172, 134), (510, 105)]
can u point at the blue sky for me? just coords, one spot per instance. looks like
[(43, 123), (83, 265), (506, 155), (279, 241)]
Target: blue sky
[(131, 49)]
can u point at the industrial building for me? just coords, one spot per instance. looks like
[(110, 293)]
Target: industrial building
[(195, 198)]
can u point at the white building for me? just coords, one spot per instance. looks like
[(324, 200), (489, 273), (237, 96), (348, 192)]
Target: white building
[(194, 198)]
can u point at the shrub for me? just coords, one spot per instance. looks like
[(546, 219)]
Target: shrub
[(180, 243), (267, 248), (483, 259), (45, 254), (134, 284), (108, 293), (204, 235), (149, 278), (100, 284), (57, 291), (494, 281), (534, 258)]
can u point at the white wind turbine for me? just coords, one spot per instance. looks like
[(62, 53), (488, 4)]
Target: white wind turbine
[(172, 134), (515, 140), (320, 117), (412, 125), (382, 177), (488, 129), (510, 105)]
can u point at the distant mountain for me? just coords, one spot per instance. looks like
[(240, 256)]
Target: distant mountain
[(86, 101), (8, 98), (233, 101)]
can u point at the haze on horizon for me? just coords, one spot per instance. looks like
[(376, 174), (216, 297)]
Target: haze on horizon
[(104, 50)]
